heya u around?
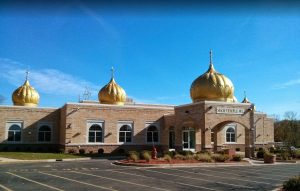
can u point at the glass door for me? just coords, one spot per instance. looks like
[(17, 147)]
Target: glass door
[(188, 139)]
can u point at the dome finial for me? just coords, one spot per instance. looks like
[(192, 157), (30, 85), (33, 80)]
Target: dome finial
[(27, 74), (245, 100), (112, 72), (210, 57)]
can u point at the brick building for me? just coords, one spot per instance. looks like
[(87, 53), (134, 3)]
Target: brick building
[(213, 121)]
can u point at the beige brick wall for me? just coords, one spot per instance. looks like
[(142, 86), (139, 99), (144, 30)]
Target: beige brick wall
[(31, 118)]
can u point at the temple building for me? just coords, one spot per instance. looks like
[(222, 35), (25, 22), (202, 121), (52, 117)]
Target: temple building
[(213, 121)]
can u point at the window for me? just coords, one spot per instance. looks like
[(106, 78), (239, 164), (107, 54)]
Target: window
[(230, 135), (95, 133), (152, 134), (44, 134), (125, 133), (14, 133)]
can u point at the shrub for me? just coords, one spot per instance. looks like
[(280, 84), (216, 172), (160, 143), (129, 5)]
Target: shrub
[(283, 155), (119, 151), (237, 157), (133, 155), (292, 184), (297, 154), (100, 151), (260, 154), (220, 157), (71, 151), (167, 157), (146, 155), (170, 153), (179, 156), (185, 153), (188, 157), (272, 150), (91, 152), (61, 150), (82, 151), (237, 149), (203, 157)]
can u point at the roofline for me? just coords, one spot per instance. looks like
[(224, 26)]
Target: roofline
[(148, 106), (214, 102), (27, 107)]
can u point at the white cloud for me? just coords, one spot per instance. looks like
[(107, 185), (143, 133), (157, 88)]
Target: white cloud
[(49, 81), (287, 84)]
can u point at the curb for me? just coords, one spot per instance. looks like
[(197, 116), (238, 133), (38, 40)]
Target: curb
[(182, 164)]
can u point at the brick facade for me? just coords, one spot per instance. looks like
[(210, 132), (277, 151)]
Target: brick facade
[(70, 126)]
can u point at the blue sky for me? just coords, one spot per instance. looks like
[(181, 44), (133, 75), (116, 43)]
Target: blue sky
[(156, 52)]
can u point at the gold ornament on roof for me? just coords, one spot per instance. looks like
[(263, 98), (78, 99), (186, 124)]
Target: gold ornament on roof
[(26, 95), (212, 86), (112, 93)]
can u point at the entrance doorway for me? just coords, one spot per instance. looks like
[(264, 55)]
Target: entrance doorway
[(188, 139), (171, 139)]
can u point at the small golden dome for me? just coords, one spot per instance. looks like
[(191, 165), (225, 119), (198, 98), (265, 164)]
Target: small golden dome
[(212, 86), (26, 95), (112, 93)]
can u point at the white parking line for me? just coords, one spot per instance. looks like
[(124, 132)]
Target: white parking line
[(5, 188), (61, 177), (241, 175), (180, 183), (48, 186), (188, 177), (263, 172), (123, 181), (232, 178)]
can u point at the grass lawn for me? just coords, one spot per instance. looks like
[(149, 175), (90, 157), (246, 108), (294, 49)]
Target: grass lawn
[(37, 156)]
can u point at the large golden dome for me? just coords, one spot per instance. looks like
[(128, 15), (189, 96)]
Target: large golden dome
[(212, 86), (112, 93), (26, 95)]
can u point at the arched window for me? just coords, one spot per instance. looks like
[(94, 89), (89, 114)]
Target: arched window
[(95, 134), (44, 134), (14, 133), (230, 135), (125, 133), (152, 134)]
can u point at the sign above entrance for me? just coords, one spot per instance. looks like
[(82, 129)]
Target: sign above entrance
[(227, 110)]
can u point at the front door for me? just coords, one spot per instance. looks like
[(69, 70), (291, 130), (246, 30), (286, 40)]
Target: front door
[(188, 138)]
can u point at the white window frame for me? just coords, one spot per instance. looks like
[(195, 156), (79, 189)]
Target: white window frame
[(120, 124), (94, 122), (226, 128), (8, 124), (147, 125), (49, 124)]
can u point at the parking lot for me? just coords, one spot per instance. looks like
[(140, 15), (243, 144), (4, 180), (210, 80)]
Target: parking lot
[(102, 175)]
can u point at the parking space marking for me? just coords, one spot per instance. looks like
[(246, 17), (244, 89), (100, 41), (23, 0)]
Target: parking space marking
[(78, 181), (224, 183), (254, 172), (5, 188), (123, 181), (30, 180), (189, 172), (243, 175), (148, 177)]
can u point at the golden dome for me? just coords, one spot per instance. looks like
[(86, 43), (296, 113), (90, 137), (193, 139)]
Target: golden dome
[(112, 93), (212, 86), (26, 95)]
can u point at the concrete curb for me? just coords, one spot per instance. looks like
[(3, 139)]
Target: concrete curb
[(8, 160), (183, 164)]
